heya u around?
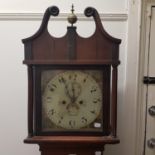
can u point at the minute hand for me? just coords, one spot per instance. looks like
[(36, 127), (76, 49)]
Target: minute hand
[(67, 91), (75, 88)]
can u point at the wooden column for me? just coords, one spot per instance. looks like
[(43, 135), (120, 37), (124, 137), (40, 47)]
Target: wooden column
[(30, 102), (114, 101)]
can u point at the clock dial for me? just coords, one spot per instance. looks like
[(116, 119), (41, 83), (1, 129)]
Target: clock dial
[(72, 100)]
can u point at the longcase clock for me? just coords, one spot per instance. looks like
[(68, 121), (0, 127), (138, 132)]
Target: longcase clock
[(72, 88)]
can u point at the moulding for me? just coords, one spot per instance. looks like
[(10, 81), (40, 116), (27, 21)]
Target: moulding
[(143, 71), (132, 76), (61, 17), (141, 99)]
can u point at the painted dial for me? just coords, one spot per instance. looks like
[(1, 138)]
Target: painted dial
[(72, 99)]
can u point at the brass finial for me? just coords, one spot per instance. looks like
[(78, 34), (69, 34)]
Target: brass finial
[(72, 18)]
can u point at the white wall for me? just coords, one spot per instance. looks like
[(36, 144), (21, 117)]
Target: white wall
[(13, 79), (40, 6)]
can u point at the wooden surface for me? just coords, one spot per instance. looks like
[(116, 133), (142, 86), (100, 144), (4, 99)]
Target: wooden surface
[(42, 49), (65, 145), (99, 50), (83, 140)]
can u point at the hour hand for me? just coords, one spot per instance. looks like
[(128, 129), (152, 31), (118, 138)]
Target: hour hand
[(63, 81), (68, 92)]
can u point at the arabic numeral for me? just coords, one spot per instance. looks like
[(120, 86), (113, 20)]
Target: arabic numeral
[(52, 87), (51, 112), (93, 89), (84, 120), (72, 123), (97, 100), (61, 80)]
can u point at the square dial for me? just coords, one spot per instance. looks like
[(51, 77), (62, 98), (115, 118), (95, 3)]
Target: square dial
[(72, 100)]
